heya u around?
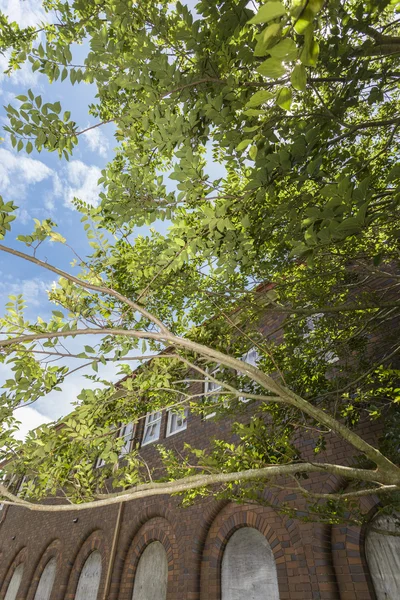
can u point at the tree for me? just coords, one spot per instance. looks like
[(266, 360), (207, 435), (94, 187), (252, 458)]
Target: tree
[(289, 100)]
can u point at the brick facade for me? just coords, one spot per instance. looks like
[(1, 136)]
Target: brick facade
[(314, 561)]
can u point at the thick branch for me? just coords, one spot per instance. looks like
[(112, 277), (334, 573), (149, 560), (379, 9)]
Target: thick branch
[(198, 481)]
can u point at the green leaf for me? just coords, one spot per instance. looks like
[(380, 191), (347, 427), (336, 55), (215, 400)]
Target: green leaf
[(58, 313), (29, 147), (259, 98), (272, 68), (310, 52), (243, 145), (284, 99), (286, 49), (304, 20), (267, 38), (299, 78), (57, 237), (253, 152), (270, 10)]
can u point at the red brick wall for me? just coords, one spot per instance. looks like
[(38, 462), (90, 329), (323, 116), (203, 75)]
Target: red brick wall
[(314, 561)]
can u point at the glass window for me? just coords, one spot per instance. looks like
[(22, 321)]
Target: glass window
[(21, 485), (251, 357), (177, 421), (126, 433), (211, 387), (151, 428)]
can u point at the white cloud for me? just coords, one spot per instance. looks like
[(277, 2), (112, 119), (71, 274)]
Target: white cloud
[(80, 182), (24, 12), (29, 419), (18, 172), (23, 76), (97, 141), (33, 290)]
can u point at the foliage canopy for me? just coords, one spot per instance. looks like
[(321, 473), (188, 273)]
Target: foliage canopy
[(298, 102)]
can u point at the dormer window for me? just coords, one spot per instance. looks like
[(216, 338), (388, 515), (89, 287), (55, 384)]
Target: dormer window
[(177, 421), (211, 387), (152, 428), (251, 357), (126, 432)]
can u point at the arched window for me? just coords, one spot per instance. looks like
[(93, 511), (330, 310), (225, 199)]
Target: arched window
[(151, 574), (15, 582), (89, 579), (248, 568), (383, 556), (47, 577)]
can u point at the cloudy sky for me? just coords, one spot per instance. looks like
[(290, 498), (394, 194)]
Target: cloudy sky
[(42, 187)]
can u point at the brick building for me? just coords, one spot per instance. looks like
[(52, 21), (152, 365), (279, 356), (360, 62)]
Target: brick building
[(154, 549)]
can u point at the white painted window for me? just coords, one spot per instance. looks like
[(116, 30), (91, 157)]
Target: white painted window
[(209, 388), (251, 357), (89, 579), (151, 577), (43, 590), (177, 421), (152, 428), (15, 582), (21, 485), (126, 433), (382, 552), (248, 567)]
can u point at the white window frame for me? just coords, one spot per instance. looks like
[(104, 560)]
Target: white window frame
[(152, 423), (100, 462), (126, 432), (172, 422), (20, 486), (245, 358), (208, 386)]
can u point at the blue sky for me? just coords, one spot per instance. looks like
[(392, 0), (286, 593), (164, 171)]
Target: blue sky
[(43, 186)]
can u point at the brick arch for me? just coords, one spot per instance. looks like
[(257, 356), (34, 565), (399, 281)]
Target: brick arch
[(348, 551), (19, 558), (157, 529), (53, 550), (94, 541), (268, 522)]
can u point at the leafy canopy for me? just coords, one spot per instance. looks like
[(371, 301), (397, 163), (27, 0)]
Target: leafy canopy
[(298, 102)]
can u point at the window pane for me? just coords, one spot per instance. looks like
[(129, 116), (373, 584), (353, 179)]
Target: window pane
[(152, 428), (177, 421), (126, 432)]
